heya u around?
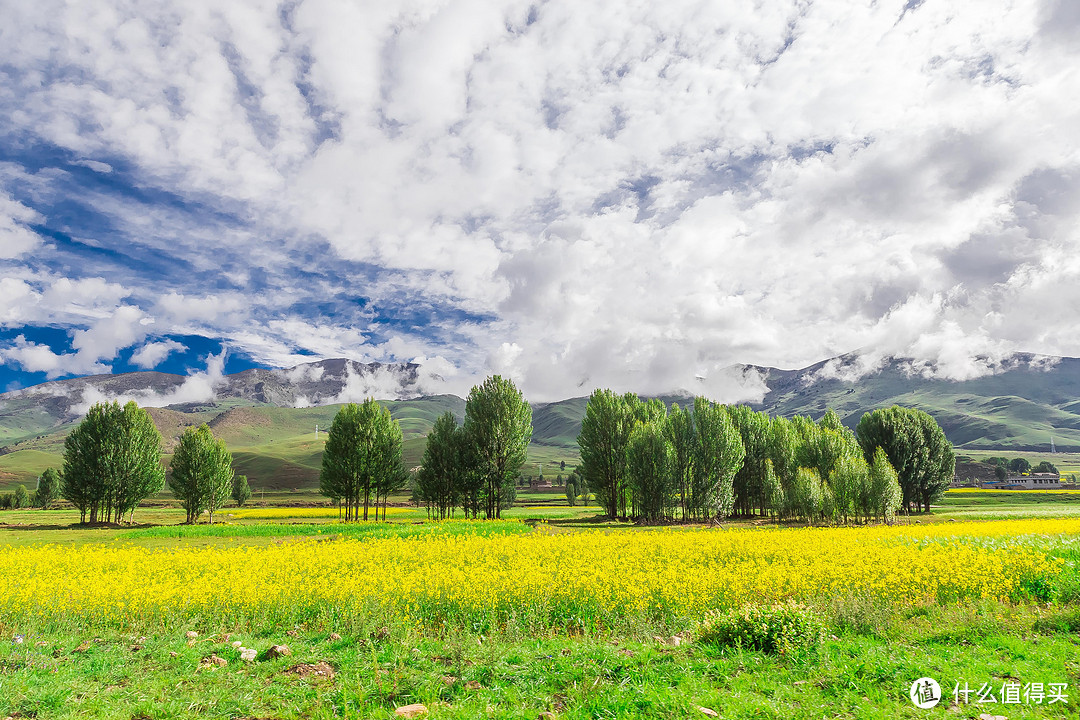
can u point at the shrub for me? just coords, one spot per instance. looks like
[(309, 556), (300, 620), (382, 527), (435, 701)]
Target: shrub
[(784, 629)]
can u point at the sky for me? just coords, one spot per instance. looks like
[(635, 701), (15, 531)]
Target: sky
[(634, 195)]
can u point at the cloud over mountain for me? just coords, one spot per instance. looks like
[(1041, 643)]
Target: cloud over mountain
[(576, 195)]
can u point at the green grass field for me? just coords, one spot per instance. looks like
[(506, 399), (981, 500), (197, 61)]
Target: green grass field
[(644, 668)]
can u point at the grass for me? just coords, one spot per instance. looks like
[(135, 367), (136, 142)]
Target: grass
[(872, 653), (157, 673)]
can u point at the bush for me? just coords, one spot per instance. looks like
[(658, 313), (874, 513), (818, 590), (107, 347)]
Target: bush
[(784, 629)]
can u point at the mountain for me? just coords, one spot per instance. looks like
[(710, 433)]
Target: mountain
[(1026, 402)]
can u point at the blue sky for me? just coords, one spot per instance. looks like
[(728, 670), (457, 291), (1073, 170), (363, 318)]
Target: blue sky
[(637, 197)]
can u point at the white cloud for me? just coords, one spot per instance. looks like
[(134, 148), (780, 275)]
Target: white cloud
[(629, 196), (198, 387), (151, 354)]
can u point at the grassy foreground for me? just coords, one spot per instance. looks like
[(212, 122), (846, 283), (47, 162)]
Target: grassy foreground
[(500, 620)]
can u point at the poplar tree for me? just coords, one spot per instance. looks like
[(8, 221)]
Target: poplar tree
[(201, 474), (605, 431), (48, 488), (112, 460), (361, 461), (498, 426)]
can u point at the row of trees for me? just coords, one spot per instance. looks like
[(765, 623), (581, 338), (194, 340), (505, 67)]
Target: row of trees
[(707, 460)]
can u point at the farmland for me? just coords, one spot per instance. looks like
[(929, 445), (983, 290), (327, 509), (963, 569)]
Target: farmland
[(565, 613)]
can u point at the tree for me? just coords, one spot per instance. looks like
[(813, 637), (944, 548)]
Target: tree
[(916, 448), (1045, 467), (648, 470), (885, 494), (21, 498), (201, 474), (1000, 472), (439, 481), (48, 488), (1019, 466), (679, 429), (112, 460), (750, 483), (498, 424), (605, 431), (241, 491), (362, 457), (571, 490), (719, 455)]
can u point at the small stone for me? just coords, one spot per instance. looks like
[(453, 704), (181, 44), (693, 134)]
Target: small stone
[(335, 636), (173, 654), (449, 679), (83, 646), (987, 716), (277, 651), (247, 654), (291, 633), (225, 637), (411, 711), (191, 634), (19, 639), (708, 711), (381, 634), (219, 661), (472, 685), (659, 639), (135, 648), (676, 640), (237, 644)]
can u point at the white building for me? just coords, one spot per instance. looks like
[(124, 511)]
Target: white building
[(1038, 481)]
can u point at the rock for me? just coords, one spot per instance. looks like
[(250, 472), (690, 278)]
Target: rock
[(291, 633), (320, 670), (676, 640), (212, 663), (277, 651), (83, 646), (19, 639), (472, 685), (173, 654), (219, 661), (334, 636), (247, 654), (708, 711), (191, 634), (411, 711), (987, 716), (449, 679), (237, 644)]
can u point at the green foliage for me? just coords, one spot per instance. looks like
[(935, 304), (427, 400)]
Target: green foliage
[(571, 490), (1045, 467), (719, 455), (241, 491), (201, 473), (605, 432), (498, 425), (917, 449), (21, 498), (1019, 466), (7, 501), (48, 488), (679, 430), (806, 495), (1000, 472), (439, 482), (885, 494), (788, 629), (112, 460), (361, 460), (649, 458), (751, 485)]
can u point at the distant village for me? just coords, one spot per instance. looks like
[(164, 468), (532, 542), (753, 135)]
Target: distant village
[(999, 473)]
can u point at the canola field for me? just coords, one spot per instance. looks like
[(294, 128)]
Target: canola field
[(543, 579)]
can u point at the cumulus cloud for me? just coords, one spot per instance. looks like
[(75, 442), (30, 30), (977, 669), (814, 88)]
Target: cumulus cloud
[(152, 354), (575, 195)]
